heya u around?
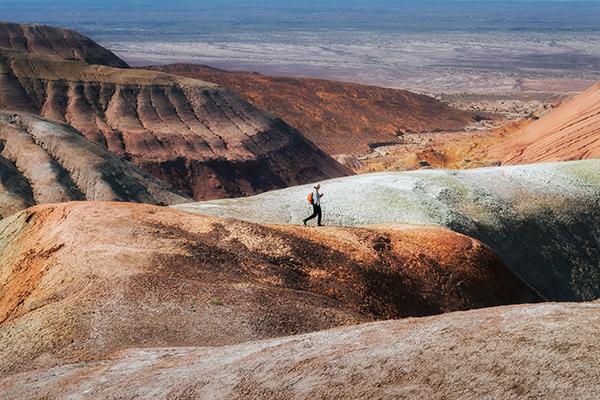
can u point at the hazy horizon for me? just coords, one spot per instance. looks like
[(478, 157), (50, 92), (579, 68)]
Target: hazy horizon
[(431, 46), (375, 15)]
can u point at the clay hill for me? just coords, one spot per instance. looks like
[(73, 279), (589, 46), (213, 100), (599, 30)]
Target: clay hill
[(547, 351), (45, 162), (77, 283), (569, 132), (56, 42), (338, 117), (543, 220), (201, 138)]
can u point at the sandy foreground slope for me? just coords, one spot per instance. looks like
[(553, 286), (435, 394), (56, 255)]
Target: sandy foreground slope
[(82, 280), (546, 351), (543, 220)]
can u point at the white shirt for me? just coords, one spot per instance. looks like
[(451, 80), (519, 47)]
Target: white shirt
[(317, 198)]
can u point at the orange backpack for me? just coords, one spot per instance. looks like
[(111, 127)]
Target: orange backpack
[(310, 198)]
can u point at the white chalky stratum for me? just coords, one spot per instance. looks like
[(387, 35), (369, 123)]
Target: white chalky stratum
[(542, 219)]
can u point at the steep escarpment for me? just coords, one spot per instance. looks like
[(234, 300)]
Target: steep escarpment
[(542, 219), (56, 42), (81, 280), (45, 162), (569, 132), (199, 137), (547, 351), (338, 117)]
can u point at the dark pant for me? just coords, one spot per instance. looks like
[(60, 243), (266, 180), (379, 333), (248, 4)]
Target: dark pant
[(316, 213)]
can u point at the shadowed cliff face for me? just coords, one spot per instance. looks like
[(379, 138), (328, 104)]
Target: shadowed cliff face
[(80, 280), (542, 219), (569, 132), (45, 162), (201, 138), (338, 117), (547, 351), (56, 42)]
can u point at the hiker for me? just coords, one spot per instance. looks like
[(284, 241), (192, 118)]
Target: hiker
[(314, 198)]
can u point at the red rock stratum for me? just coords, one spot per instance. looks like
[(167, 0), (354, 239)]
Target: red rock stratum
[(56, 42), (82, 280), (338, 117), (569, 132), (546, 351)]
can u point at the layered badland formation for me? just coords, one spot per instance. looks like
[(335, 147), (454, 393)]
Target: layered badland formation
[(353, 119), (338, 117), (56, 42), (197, 136), (44, 162), (107, 300)]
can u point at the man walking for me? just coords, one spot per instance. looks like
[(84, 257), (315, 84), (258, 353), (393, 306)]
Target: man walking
[(314, 198)]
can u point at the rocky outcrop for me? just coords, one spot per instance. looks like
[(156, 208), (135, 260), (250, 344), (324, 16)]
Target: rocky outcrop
[(56, 42), (44, 162), (569, 132), (547, 351), (338, 117), (199, 137), (542, 219), (81, 280)]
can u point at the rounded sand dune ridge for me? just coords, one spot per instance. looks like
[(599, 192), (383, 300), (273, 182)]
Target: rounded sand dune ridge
[(82, 280)]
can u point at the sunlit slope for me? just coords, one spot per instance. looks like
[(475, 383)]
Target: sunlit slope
[(570, 132)]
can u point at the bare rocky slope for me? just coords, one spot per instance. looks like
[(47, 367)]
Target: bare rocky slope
[(199, 137), (82, 280), (339, 117), (543, 220), (45, 162), (569, 132), (546, 351), (56, 42)]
